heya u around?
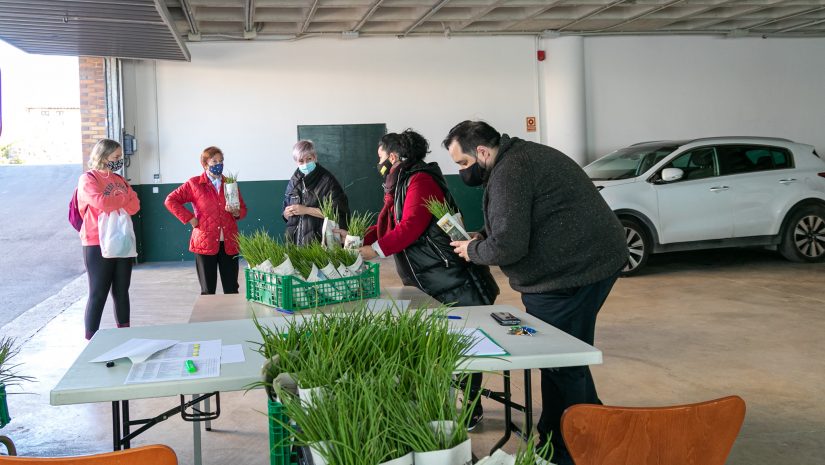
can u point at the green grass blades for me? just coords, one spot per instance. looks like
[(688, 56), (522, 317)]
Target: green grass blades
[(230, 178), (437, 208), (8, 369), (327, 207), (359, 222)]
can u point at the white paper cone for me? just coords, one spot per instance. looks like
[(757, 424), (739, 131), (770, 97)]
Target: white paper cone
[(265, 267), (353, 242), (453, 228), (403, 460), (308, 396), (338, 290), (315, 450), (285, 268), (328, 238), (230, 192), (461, 454)]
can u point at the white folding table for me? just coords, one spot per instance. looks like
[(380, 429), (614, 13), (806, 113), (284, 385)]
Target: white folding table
[(86, 382)]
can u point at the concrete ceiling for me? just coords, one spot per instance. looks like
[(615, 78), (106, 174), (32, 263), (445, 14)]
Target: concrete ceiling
[(250, 19), (160, 28)]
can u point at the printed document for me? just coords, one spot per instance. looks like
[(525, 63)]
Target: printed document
[(136, 350), (170, 364)]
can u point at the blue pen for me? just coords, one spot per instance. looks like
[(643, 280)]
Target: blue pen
[(453, 317), (283, 310)]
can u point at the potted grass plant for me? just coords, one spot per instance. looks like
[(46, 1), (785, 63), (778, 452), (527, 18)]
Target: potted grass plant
[(230, 190), (447, 220), (358, 224), (8, 375), (328, 209)]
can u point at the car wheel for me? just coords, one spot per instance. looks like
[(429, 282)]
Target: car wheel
[(638, 246), (804, 237)]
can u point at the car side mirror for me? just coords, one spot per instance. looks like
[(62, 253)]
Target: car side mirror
[(672, 174)]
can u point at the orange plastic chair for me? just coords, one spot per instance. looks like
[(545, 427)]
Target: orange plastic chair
[(146, 455), (695, 434)]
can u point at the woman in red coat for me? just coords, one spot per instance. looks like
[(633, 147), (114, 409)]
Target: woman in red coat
[(214, 224)]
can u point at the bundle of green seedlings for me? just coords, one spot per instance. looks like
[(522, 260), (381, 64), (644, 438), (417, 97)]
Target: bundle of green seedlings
[(385, 376), (438, 208), (530, 454), (9, 375), (328, 209), (230, 178), (359, 222), (259, 246)]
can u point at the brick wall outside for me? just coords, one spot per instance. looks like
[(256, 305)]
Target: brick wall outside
[(92, 103)]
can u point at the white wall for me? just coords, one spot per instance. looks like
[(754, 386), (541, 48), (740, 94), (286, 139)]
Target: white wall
[(644, 88), (248, 98)]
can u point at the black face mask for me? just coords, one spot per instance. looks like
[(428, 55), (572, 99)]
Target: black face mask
[(384, 168), (473, 175)]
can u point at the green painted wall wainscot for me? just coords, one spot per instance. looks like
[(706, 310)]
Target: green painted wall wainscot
[(161, 237)]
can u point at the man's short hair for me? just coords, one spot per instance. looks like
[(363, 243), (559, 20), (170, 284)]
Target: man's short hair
[(471, 134)]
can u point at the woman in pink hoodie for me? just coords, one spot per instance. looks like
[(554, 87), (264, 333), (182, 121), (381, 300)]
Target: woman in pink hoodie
[(100, 190)]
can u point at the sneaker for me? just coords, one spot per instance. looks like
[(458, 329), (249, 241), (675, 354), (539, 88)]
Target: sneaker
[(475, 419)]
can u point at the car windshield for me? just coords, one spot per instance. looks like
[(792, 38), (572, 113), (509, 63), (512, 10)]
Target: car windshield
[(628, 162)]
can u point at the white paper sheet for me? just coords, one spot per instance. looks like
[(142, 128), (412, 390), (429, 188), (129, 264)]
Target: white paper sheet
[(232, 354), (136, 350), (170, 364), (482, 344)]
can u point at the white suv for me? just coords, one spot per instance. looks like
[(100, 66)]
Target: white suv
[(716, 192)]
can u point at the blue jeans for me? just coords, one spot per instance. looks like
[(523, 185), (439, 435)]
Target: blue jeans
[(573, 311)]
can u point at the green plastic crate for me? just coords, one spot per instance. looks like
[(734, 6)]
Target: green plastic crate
[(4, 407), (280, 449), (294, 294)]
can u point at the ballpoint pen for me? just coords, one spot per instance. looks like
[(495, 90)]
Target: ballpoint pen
[(283, 310)]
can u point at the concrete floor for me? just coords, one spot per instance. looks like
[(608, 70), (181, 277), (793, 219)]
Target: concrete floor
[(696, 326)]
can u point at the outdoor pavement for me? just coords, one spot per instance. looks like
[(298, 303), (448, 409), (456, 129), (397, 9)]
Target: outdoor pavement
[(41, 252), (695, 327)]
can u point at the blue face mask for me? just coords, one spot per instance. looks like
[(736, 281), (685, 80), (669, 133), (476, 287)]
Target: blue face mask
[(308, 168), (216, 169)]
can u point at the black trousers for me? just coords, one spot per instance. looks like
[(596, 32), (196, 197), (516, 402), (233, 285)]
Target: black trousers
[(208, 266), (573, 311), (106, 274)]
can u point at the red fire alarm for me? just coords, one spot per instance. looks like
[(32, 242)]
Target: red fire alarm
[(540, 55)]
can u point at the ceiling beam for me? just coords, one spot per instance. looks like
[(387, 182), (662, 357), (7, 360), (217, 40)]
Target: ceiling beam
[(426, 16), (783, 18), (309, 17), (367, 16), (534, 15), (190, 17), (591, 14), (804, 25), (248, 15), (696, 13), (482, 13), (640, 16)]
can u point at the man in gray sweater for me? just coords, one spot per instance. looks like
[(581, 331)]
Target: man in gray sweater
[(555, 239)]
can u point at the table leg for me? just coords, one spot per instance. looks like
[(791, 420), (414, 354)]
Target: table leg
[(116, 424), (206, 409), (124, 409), (528, 404), (508, 414), (196, 438)]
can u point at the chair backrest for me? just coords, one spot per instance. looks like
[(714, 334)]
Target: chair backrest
[(146, 455), (696, 434)]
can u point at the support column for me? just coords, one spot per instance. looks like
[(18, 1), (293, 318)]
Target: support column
[(93, 121), (563, 103)]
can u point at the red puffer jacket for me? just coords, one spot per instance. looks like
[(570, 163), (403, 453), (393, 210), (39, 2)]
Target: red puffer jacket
[(210, 210)]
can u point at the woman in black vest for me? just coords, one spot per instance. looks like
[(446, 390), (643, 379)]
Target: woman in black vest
[(408, 231), (309, 186)]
